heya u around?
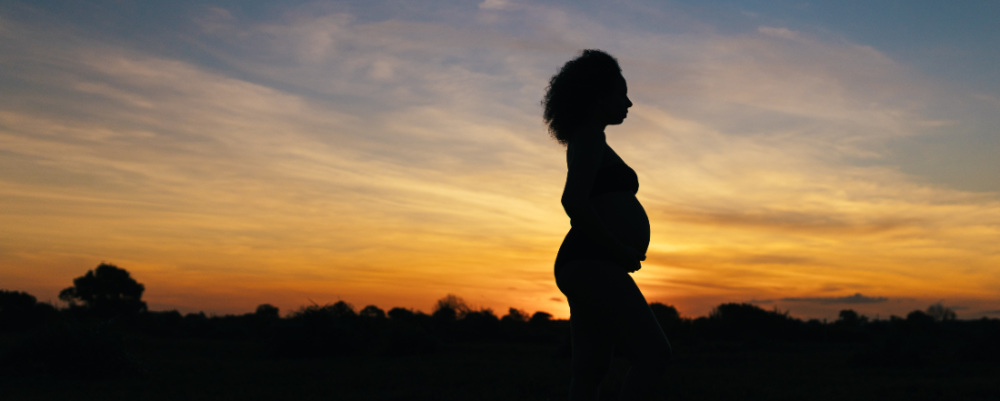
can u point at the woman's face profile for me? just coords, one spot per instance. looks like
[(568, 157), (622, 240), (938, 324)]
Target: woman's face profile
[(615, 107)]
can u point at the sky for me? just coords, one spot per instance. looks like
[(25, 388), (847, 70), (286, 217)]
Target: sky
[(806, 157)]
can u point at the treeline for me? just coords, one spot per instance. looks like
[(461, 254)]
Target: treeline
[(105, 307)]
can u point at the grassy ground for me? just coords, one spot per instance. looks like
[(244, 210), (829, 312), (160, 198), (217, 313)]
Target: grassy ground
[(214, 370)]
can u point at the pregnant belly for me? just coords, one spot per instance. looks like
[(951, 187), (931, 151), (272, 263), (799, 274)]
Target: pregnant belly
[(624, 216)]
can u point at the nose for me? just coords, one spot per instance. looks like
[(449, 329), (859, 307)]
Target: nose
[(628, 102)]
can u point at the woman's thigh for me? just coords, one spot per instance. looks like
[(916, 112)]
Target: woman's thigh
[(607, 306)]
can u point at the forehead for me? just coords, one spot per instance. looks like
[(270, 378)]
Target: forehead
[(620, 82)]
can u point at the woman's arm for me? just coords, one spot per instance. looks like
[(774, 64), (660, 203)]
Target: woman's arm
[(584, 156)]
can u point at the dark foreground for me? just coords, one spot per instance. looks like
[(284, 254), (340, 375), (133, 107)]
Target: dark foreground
[(204, 369)]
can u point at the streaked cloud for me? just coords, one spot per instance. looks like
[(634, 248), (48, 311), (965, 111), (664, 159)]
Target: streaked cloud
[(496, 4), (783, 33), (857, 298)]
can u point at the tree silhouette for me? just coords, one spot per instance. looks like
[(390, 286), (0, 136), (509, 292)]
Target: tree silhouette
[(920, 319), (749, 322), (372, 312), (267, 311), (515, 315), (940, 313), (16, 300), (667, 316), (850, 318), (479, 325), (400, 314), (20, 309), (540, 318), (106, 291), (341, 310), (450, 308)]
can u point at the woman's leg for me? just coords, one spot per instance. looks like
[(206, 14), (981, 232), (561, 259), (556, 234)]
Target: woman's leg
[(642, 341), (607, 309), (592, 337)]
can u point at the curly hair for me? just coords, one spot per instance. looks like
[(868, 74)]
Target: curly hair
[(578, 85)]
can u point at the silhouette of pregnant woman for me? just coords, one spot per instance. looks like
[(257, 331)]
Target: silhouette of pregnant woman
[(609, 233)]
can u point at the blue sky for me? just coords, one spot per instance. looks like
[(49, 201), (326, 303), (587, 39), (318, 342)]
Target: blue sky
[(810, 155)]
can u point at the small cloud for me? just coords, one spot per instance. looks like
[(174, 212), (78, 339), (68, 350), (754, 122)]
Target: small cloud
[(992, 312), (936, 123), (219, 13), (215, 20), (774, 260), (993, 100), (783, 33), (495, 5), (850, 299), (832, 287), (555, 299), (761, 301), (381, 71)]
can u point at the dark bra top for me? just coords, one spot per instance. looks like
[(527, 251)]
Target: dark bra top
[(614, 176)]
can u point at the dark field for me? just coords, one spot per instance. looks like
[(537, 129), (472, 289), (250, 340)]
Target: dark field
[(206, 369), (120, 351)]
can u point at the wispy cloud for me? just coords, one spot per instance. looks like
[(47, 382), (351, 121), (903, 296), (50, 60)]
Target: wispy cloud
[(496, 4), (783, 33), (857, 298)]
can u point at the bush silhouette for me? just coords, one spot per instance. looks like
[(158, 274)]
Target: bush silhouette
[(74, 350), (372, 312), (341, 310), (449, 309), (406, 337), (668, 317), (162, 324), (267, 311), (408, 333), (849, 327), (329, 330), (20, 310), (919, 319), (515, 315), (479, 325), (850, 318), (745, 321), (398, 314), (107, 291), (540, 318), (940, 313)]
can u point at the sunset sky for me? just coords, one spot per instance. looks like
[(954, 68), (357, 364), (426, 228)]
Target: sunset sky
[(805, 156)]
